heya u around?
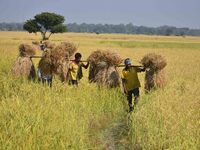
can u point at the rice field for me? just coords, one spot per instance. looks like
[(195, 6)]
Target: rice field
[(33, 116)]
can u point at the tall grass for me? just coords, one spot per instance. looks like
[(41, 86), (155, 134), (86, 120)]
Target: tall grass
[(152, 44), (34, 116)]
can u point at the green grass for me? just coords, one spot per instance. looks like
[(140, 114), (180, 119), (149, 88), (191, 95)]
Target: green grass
[(154, 44)]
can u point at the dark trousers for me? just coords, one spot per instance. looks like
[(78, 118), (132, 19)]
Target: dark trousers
[(130, 94), (73, 82)]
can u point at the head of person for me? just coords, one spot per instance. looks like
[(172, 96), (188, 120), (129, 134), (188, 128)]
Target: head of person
[(78, 57), (127, 62)]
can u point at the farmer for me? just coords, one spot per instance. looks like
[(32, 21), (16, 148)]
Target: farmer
[(131, 82), (45, 78), (42, 46), (75, 69)]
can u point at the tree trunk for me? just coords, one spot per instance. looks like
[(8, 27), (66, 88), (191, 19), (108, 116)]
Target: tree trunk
[(44, 36)]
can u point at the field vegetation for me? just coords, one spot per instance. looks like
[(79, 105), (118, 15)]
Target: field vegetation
[(34, 116)]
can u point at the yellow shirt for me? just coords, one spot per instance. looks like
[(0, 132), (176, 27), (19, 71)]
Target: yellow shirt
[(131, 78), (74, 69)]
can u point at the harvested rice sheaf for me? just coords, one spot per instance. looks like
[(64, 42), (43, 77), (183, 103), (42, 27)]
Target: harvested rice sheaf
[(69, 47), (102, 68), (110, 57), (23, 66), (60, 57), (35, 42), (26, 50), (154, 61), (45, 63), (154, 76), (49, 45)]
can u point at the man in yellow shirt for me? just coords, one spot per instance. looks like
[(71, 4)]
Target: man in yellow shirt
[(75, 69), (131, 82)]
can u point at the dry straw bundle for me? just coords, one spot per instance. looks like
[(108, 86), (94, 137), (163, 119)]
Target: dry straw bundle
[(26, 50), (49, 45), (23, 66), (102, 68), (35, 42), (154, 76), (55, 59), (45, 63), (60, 57)]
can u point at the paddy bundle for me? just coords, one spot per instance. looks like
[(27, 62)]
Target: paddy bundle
[(103, 68), (26, 50), (60, 57), (35, 42), (45, 65), (49, 45), (23, 65), (154, 76)]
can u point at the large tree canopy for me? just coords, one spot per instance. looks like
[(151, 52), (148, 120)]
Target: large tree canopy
[(44, 23)]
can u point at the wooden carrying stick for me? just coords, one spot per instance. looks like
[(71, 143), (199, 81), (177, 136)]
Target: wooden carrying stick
[(80, 60), (42, 57), (36, 56), (130, 66)]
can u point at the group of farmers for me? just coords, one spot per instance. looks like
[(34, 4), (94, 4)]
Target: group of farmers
[(129, 76)]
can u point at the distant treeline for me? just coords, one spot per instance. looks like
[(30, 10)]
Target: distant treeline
[(109, 28)]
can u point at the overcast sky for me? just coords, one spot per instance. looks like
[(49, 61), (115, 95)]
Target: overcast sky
[(179, 13)]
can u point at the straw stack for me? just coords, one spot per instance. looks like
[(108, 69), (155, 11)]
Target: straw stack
[(23, 65), (102, 68), (154, 76)]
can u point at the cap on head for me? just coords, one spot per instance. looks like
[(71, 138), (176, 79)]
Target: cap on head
[(127, 61)]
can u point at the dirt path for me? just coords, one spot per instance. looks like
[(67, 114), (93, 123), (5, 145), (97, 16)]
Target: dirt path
[(116, 137)]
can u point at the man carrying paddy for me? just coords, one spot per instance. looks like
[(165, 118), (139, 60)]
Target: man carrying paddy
[(75, 69), (130, 82)]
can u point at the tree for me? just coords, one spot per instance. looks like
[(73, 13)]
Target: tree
[(46, 23)]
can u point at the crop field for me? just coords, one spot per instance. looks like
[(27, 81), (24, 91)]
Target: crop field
[(34, 116)]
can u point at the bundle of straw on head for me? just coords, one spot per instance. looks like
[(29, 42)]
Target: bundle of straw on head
[(26, 50), (102, 68), (23, 66), (154, 76)]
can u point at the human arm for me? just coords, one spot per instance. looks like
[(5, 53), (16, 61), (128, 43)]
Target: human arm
[(124, 81), (141, 69), (85, 66)]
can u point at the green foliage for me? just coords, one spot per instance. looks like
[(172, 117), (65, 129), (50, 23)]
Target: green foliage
[(58, 28), (31, 26), (109, 28), (46, 22)]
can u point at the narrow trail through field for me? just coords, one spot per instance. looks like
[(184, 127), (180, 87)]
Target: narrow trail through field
[(116, 136)]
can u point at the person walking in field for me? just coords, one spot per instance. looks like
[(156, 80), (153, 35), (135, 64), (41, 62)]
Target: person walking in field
[(75, 69), (42, 46), (130, 82), (46, 79)]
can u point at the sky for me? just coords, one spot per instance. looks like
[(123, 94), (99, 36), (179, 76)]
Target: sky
[(152, 13)]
